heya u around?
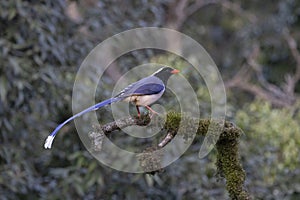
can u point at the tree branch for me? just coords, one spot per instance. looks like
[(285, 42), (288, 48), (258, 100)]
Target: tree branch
[(228, 161)]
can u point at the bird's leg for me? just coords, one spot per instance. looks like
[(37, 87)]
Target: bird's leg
[(152, 111), (138, 111)]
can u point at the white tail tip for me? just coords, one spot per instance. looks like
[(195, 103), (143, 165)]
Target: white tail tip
[(48, 142)]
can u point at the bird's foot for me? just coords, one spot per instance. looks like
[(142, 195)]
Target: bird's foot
[(152, 112)]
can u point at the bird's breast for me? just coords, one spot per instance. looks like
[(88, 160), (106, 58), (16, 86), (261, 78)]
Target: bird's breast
[(144, 100)]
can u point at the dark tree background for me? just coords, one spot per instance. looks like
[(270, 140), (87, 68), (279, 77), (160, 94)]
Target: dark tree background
[(254, 44)]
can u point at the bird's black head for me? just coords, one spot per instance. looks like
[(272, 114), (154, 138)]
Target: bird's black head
[(165, 73)]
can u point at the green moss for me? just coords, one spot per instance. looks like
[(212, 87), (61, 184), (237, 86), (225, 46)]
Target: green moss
[(172, 121), (203, 126), (228, 162), (188, 125), (229, 167), (230, 131)]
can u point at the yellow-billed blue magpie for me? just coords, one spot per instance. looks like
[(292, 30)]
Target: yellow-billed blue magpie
[(141, 93)]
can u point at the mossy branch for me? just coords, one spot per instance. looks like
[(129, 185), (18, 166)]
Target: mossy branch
[(228, 161)]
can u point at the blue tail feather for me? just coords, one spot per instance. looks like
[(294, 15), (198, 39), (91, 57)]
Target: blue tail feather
[(94, 107)]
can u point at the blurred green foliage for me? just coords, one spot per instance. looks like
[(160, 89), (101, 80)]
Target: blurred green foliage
[(41, 48), (272, 139), (276, 129)]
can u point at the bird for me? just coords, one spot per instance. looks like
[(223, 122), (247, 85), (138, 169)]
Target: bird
[(144, 92)]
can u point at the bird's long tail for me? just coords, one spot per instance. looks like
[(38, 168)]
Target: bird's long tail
[(50, 138)]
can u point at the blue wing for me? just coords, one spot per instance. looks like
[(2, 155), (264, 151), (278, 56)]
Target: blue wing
[(146, 86), (149, 89)]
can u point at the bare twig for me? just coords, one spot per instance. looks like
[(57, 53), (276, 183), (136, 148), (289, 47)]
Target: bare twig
[(125, 122), (262, 88), (243, 75), (236, 8), (191, 9), (291, 80), (283, 95), (166, 140), (176, 14), (252, 61), (180, 11)]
